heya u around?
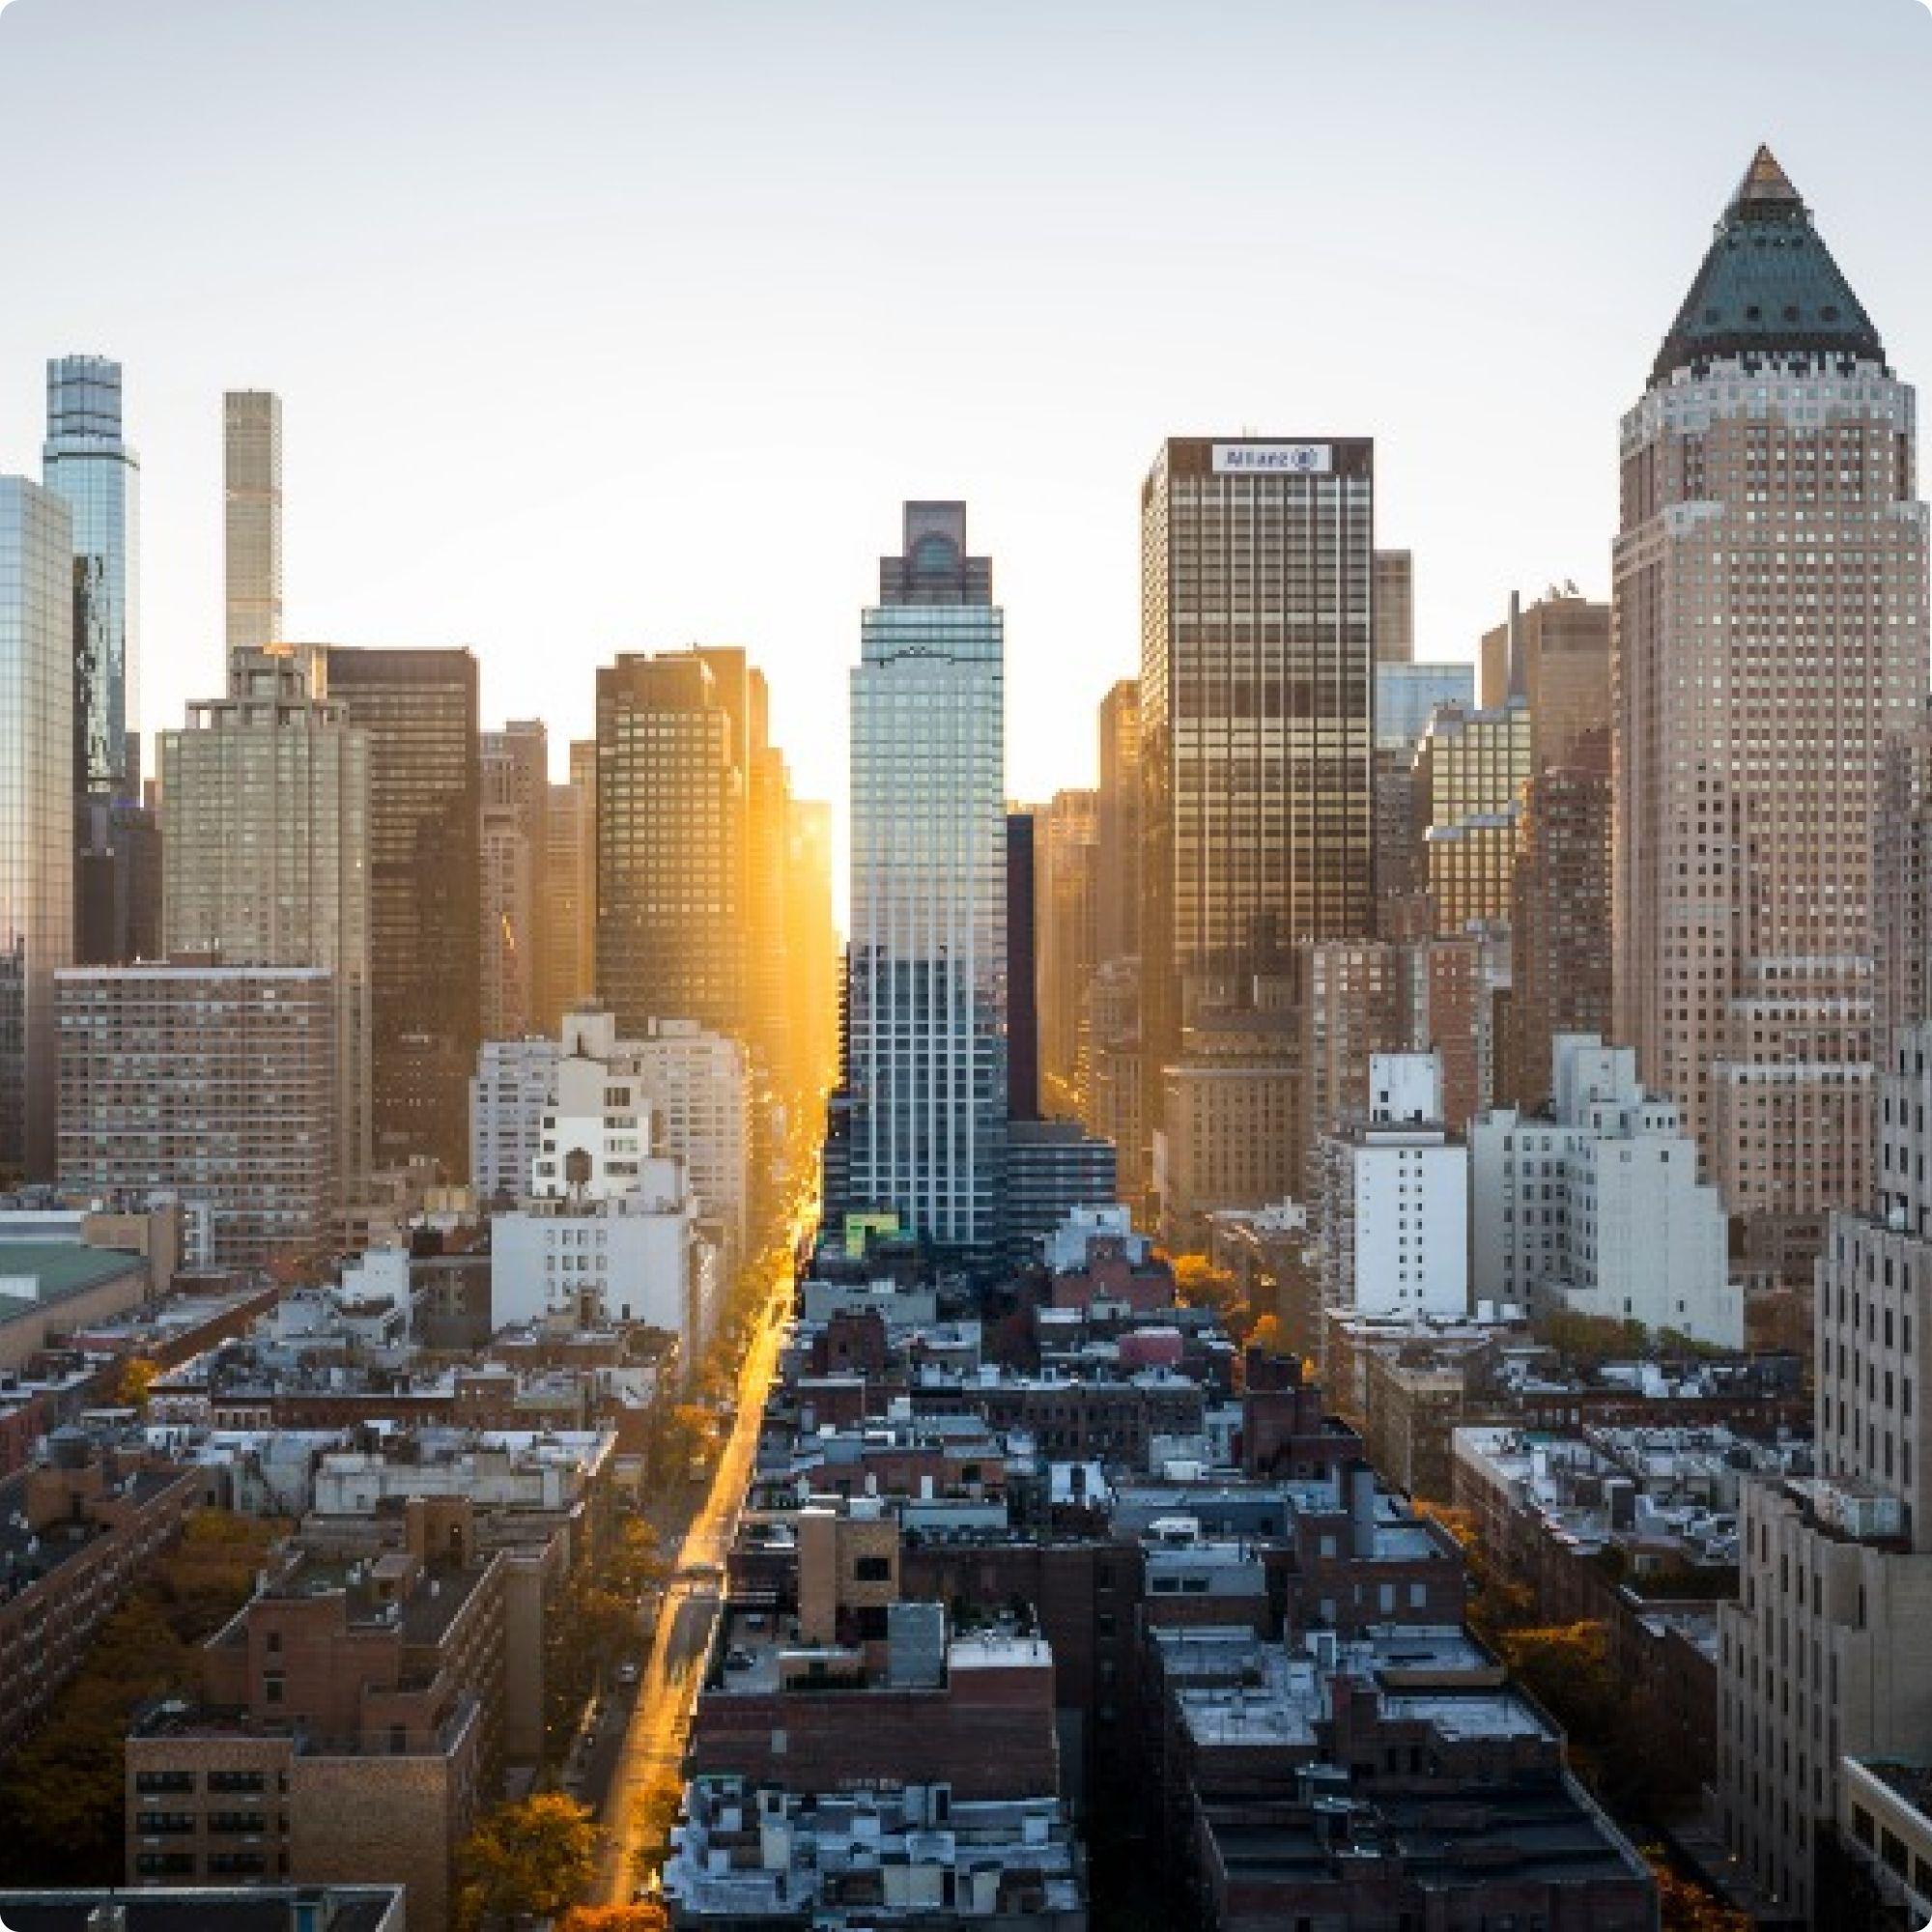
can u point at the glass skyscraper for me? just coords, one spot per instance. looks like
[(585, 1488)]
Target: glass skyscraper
[(86, 462), (927, 1041), (251, 454), (36, 813)]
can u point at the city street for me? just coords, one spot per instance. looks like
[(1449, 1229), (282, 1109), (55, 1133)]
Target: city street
[(653, 1743)]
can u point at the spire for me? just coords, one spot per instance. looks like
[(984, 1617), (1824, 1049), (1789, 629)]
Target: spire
[(1768, 286), (1765, 185)]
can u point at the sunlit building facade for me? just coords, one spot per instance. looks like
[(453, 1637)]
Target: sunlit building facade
[(926, 1047)]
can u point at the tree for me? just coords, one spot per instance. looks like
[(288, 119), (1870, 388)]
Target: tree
[(1685, 1906), (1265, 1335), (1199, 1283), (657, 1813), (137, 1378), (644, 1918), (532, 1858)]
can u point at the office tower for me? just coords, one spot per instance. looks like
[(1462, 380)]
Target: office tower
[(1560, 915), (1395, 606), (1118, 823), (1407, 694), (1256, 699), (1469, 770), (1770, 631), (1394, 1210), (1596, 1207), (85, 461), (1067, 937), (37, 811), (567, 891), (1053, 1167), (117, 882), (251, 460), (769, 1014), (1023, 963), (811, 946), (217, 1082), (673, 881), (419, 711), (928, 973), (513, 840), (1555, 656), (1116, 1108), (1824, 1668), (266, 853)]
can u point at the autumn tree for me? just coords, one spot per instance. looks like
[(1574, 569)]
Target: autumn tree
[(532, 1858), (647, 1916), (1685, 1906), (135, 1382), (1265, 1335)]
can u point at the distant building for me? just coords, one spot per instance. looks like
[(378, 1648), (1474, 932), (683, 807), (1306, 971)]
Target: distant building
[(1393, 1210), (251, 452), (1555, 657), (1395, 606), (1470, 771), (1053, 1168), (266, 856), (1068, 902), (1023, 843), (216, 1083), (37, 731), (567, 892), (419, 711), (1596, 1206), (514, 844)]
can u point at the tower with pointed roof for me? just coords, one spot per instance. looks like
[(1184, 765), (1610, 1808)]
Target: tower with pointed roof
[(1770, 633)]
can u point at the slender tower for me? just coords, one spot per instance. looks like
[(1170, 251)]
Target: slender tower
[(251, 453), (926, 1024), (1769, 634), (86, 462)]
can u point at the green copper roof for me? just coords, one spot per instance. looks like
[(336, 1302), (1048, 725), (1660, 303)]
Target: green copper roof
[(1769, 286)]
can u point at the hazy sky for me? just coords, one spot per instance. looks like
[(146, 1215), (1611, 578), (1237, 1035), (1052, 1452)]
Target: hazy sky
[(604, 324)]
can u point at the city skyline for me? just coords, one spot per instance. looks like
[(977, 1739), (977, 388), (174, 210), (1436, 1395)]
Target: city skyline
[(1030, 426)]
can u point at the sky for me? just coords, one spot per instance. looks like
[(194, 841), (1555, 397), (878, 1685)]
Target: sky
[(611, 325)]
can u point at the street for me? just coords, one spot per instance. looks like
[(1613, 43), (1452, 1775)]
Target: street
[(653, 1742)]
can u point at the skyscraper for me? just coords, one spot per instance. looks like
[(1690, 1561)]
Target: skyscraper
[(37, 808), (926, 1044), (1023, 843), (1118, 823), (1257, 700), (1555, 656), (1467, 777), (1770, 631), (266, 855), (567, 886), (251, 453), (672, 872), (514, 839), (1067, 898), (1395, 606), (419, 709), (85, 461), (811, 946)]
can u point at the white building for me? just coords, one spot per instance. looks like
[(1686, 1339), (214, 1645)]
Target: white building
[(1827, 1654), (607, 1230), (695, 1084), (1394, 1208), (1596, 1207)]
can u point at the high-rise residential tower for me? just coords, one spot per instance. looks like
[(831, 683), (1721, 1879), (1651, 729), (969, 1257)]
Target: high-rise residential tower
[(37, 808), (86, 460), (927, 1043), (251, 455), (266, 855), (419, 710), (1770, 631), (1257, 703)]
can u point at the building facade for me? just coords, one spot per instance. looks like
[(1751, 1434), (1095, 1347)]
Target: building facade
[(1769, 630), (419, 710), (927, 975), (1469, 770), (266, 853), (1555, 656), (214, 1082), (252, 456), (513, 840), (37, 811), (1257, 714)]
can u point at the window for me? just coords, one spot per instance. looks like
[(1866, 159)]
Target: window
[(872, 1569)]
